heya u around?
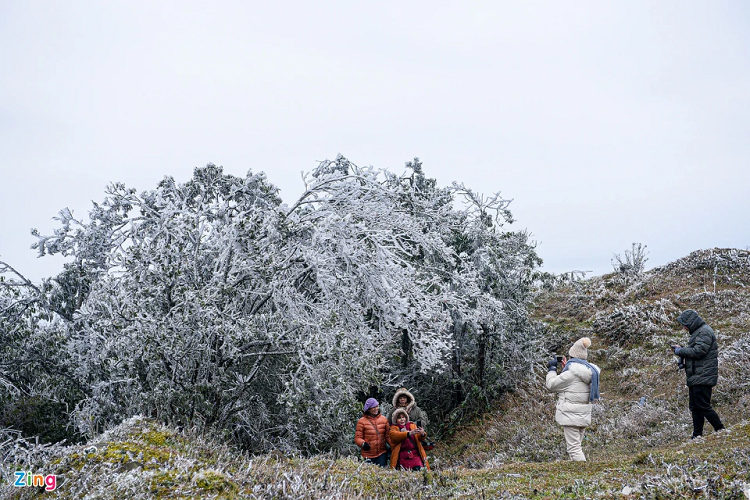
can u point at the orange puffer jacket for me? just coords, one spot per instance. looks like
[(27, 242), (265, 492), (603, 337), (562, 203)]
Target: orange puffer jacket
[(366, 432)]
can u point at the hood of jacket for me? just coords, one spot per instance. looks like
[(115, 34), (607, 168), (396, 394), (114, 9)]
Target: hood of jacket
[(396, 413), (690, 319), (411, 403)]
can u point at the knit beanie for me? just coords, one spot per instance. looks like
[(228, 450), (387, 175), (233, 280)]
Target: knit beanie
[(370, 403), (579, 349)]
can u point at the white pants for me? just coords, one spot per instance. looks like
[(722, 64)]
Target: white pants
[(573, 438)]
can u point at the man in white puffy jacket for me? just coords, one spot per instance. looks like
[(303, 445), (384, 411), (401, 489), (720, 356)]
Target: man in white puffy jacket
[(577, 387)]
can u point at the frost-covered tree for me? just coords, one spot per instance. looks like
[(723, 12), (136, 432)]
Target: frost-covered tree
[(490, 277), (213, 305), (502, 264), (36, 384)]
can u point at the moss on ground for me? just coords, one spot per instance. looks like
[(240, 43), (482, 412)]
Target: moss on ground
[(712, 467)]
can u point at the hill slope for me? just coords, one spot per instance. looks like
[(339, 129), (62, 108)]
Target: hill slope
[(638, 444), (631, 321)]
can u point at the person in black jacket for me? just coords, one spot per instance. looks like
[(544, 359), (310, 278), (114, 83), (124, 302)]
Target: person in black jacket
[(701, 360)]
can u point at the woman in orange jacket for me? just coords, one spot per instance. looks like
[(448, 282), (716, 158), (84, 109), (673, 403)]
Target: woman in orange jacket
[(372, 434), (406, 438)]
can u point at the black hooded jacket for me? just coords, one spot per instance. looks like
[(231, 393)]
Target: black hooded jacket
[(701, 355)]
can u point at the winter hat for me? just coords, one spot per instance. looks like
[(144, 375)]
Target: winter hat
[(370, 403), (409, 397), (396, 413), (578, 350)]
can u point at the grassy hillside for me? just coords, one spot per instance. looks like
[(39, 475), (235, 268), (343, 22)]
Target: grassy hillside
[(631, 321), (638, 445)]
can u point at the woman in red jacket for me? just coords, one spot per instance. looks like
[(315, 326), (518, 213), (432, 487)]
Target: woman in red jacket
[(372, 434), (406, 438)]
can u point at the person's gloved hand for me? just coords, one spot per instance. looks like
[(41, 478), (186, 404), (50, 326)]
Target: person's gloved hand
[(676, 348), (365, 446), (552, 364)]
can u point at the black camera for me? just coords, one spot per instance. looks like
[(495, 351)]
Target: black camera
[(680, 359)]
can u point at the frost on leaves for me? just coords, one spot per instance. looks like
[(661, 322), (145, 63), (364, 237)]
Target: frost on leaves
[(213, 305)]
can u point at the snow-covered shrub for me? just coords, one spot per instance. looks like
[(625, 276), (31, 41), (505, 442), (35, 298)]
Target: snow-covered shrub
[(733, 362), (634, 261), (36, 384), (634, 323)]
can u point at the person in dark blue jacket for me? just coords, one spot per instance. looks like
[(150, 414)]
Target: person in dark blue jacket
[(701, 360)]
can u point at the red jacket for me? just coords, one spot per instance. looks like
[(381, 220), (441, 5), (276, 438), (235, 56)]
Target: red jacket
[(366, 432), (397, 437)]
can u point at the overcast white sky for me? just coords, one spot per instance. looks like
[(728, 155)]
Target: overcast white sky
[(606, 123)]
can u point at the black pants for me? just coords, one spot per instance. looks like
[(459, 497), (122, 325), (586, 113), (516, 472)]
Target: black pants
[(700, 407), (381, 460)]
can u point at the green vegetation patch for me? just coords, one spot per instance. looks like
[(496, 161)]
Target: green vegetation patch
[(214, 482)]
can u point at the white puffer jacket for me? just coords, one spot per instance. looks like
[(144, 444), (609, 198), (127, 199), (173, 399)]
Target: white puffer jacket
[(573, 388)]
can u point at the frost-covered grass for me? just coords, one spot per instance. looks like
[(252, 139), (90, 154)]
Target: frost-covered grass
[(142, 460)]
